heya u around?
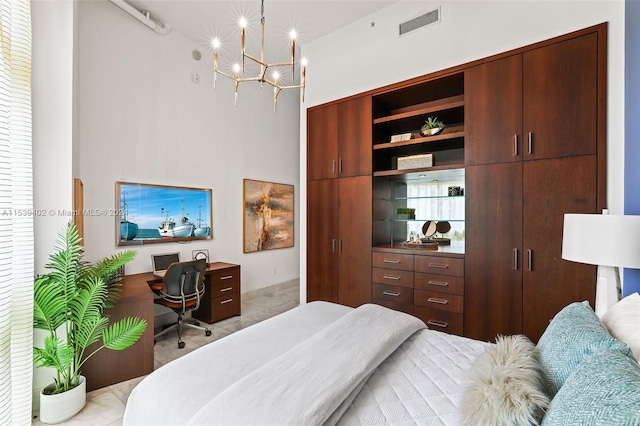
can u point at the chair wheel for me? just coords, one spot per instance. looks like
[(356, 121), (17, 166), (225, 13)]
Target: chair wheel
[(180, 345), (207, 332), (196, 323)]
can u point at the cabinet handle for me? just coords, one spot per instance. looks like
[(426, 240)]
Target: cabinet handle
[(438, 265), (333, 245), (391, 277), (438, 323), (515, 145), (530, 142), (390, 261), (226, 301), (340, 245), (515, 259), (438, 283), (440, 301), (530, 256), (391, 293), (226, 289), (333, 167), (226, 277), (340, 165)]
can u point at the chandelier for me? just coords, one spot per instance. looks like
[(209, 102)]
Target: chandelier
[(272, 80)]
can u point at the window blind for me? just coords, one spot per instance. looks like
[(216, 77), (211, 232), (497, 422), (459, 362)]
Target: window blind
[(16, 222)]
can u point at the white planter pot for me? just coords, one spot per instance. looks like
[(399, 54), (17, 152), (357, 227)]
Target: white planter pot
[(60, 407)]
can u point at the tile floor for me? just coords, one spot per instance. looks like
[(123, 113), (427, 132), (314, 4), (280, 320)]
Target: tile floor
[(105, 407)]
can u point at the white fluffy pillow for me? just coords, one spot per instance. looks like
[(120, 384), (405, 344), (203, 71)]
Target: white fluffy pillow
[(506, 386), (623, 322)]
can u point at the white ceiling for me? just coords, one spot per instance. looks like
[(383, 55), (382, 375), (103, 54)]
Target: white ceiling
[(200, 20)]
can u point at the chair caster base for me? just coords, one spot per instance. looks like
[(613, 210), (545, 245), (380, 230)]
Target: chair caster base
[(207, 332), (180, 345)]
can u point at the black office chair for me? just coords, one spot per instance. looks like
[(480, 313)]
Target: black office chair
[(182, 289)]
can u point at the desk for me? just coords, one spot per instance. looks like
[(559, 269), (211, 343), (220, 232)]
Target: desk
[(222, 300)]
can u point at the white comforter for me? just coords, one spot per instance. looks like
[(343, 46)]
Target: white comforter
[(305, 367)]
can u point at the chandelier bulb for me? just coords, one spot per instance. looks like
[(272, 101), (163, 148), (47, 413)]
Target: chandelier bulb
[(243, 22)]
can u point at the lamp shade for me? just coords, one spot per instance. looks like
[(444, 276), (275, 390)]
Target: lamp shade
[(601, 239)]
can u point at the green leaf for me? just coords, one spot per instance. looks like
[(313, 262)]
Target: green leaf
[(123, 333), (49, 306)]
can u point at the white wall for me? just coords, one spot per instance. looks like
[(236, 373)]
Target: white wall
[(52, 92), (141, 119), (362, 57)]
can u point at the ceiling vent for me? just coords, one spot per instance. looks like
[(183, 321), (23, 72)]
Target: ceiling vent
[(431, 17)]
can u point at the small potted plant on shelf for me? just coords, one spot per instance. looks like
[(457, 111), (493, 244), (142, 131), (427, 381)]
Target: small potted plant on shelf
[(68, 304), (404, 213), (432, 127)]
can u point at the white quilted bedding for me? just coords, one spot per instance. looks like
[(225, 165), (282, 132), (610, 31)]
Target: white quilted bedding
[(421, 383)]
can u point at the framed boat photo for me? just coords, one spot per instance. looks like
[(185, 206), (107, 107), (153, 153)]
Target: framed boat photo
[(159, 213)]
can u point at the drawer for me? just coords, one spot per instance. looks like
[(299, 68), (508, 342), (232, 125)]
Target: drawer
[(408, 309), (231, 288), (448, 322), (393, 261), (392, 277), (225, 275), (439, 283), (225, 307), (439, 301), (440, 265), (392, 293)]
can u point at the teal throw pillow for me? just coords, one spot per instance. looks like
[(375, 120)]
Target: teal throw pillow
[(603, 390), (573, 334)]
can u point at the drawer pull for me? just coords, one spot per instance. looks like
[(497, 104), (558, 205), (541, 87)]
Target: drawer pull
[(391, 277), (438, 265), (226, 289), (440, 301), (438, 323), (391, 293), (226, 277), (226, 301), (438, 283), (391, 261)]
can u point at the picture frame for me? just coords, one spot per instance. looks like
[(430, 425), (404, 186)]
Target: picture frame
[(268, 215), (151, 214)]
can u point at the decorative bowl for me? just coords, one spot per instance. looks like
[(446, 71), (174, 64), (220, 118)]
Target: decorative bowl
[(431, 132)]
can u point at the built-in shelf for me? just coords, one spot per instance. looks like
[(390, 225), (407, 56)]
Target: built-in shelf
[(412, 174), (450, 132), (422, 109), (431, 197)]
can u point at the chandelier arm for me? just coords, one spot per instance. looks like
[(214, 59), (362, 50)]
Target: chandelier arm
[(281, 64), (256, 60)]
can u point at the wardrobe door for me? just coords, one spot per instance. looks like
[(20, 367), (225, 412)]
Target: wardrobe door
[(493, 251), (355, 218), (354, 131), (561, 98), (322, 142), (553, 188), (493, 112), (322, 240)]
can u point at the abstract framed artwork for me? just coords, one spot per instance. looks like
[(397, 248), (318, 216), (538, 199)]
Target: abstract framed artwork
[(159, 213), (267, 215)]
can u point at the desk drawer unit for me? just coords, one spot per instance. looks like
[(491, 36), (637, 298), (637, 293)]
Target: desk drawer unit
[(222, 293)]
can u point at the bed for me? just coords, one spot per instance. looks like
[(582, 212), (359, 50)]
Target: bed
[(323, 363)]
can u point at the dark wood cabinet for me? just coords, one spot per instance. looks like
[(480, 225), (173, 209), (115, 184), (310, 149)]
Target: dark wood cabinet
[(493, 113), (354, 130), (322, 142), (354, 241), (517, 194), (493, 251), (552, 188), (322, 231), (339, 235), (339, 202), (560, 102), (222, 293)]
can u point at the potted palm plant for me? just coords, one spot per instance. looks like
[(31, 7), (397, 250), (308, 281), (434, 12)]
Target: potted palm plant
[(69, 305)]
